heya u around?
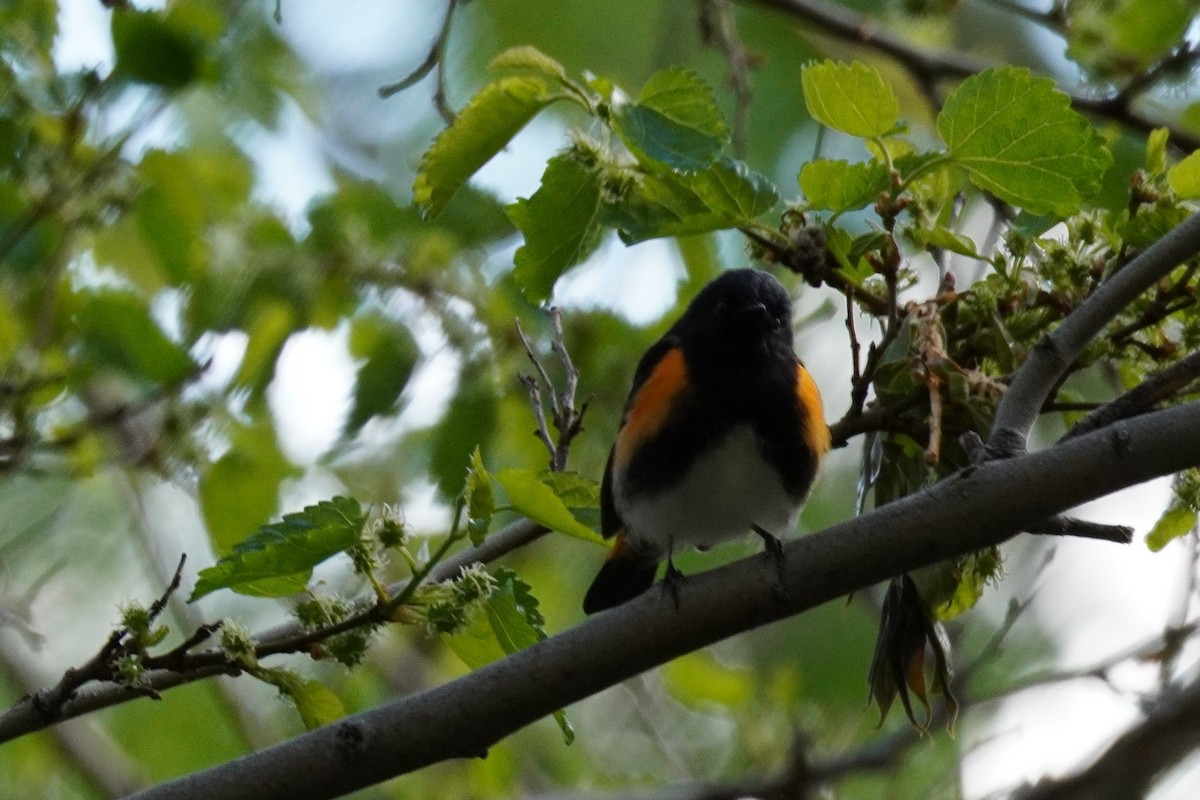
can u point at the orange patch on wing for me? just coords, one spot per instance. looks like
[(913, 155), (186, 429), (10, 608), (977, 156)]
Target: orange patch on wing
[(652, 404), (816, 432)]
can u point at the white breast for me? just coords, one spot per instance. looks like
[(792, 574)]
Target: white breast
[(729, 489)]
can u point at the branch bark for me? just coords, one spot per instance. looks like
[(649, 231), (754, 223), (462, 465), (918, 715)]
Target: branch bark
[(1049, 361), (980, 507)]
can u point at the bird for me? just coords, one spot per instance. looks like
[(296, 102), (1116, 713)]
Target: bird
[(722, 434)]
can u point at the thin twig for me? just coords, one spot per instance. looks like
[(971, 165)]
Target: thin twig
[(1142, 397), (434, 60), (719, 29)]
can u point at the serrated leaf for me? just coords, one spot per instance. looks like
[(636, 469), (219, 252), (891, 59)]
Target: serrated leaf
[(841, 186), (481, 499), (1018, 138), (527, 57), (1178, 520), (117, 330), (559, 223), (725, 195), (528, 495), (287, 549), (575, 490), (389, 354), (675, 122), (1184, 177), (852, 98), (485, 126)]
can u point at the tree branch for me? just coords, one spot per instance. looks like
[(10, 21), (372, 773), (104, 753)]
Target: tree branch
[(1053, 356), (1128, 768), (976, 508), (179, 668)]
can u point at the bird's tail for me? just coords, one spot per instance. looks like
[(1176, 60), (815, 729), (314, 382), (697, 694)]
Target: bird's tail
[(624, 576)]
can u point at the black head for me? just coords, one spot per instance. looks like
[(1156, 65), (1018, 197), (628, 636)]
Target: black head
[(744, 313)]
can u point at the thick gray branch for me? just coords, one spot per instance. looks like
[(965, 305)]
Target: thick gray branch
[(981, 507), (1054, 355)]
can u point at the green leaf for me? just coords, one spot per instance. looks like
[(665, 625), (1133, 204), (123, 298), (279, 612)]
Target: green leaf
[(698, 680), (575, 490), (559, 223), (117, 330), (270, 324), (1156, 151), (1184, 177), (528, 495), (150, 49), (316, 703), (675, 122), (508, 621), (1178, 520), (470, 422), (1018, 138), (529, 59), (389, 354), (852, 98), (287, 549), (240, 491), (945, 239), (725, 195), (841, 186), (481, 499), (485, 126)]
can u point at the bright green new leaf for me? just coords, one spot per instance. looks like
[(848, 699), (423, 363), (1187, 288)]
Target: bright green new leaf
[(528, 495), (841, 186), (1018, 138), (852, 98), (1156, 151), (529, 59), (575, 490), (945, 239), (240, 491), (1184, 177), (316, 703), (698, 680), (1178, 520), (117, 330), (480, 497), (485, 126), (725, 195), (675, 122), (287, 549), (559, 224), (388, 355)]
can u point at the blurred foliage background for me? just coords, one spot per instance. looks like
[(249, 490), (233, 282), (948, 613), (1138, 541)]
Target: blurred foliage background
[(218, 305)]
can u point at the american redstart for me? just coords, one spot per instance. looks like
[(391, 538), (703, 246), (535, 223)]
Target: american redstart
[(722, 434)]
